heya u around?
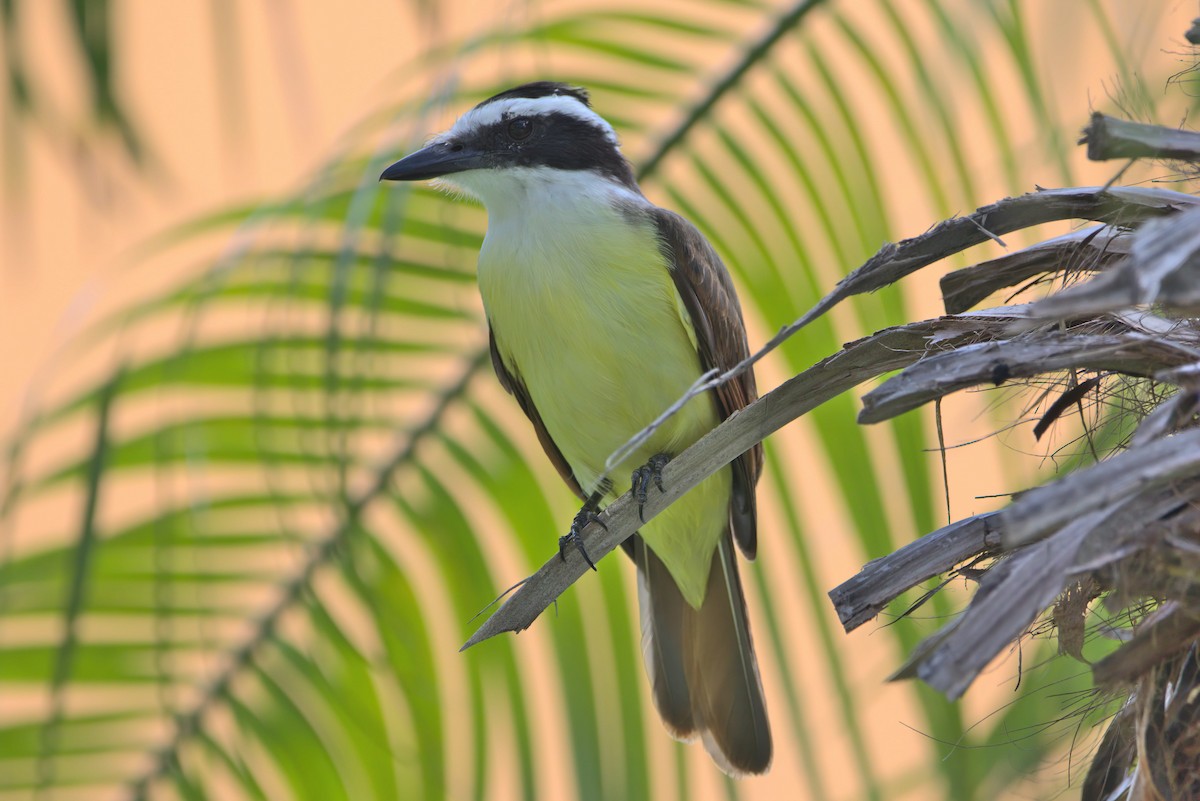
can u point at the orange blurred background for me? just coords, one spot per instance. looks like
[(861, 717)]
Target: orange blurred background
[(234, 119)]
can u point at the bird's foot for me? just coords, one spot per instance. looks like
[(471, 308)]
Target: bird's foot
[(650, 471), (588, 514)]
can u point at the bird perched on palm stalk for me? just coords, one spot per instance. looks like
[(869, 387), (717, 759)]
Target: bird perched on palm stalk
[(603, 310)]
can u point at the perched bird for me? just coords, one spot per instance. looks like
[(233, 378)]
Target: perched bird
[(603, 310)]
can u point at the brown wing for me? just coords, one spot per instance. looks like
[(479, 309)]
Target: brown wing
[(711, 301), (513, 385)]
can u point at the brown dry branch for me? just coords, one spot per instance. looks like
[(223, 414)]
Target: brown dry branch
[(1111, 138), (1162, 266), (1043, 510), (1086, 250), (1125, 206), (1131, 352), (1022, 585), (1010, 596), (883, 580), (1080, 518), (1157, 640)]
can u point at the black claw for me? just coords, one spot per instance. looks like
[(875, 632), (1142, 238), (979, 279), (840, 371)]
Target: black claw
[(650, 471), (566, 540), (639, 490), (586, 515), (657, 463)]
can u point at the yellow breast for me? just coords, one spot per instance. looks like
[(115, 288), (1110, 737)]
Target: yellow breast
[(585, 312)]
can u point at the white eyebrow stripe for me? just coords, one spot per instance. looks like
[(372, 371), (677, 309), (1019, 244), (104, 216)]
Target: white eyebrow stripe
[(492, 113)]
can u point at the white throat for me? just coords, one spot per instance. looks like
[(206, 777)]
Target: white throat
[(535, 192)]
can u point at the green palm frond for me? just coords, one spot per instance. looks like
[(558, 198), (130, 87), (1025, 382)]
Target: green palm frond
[(239, 563)]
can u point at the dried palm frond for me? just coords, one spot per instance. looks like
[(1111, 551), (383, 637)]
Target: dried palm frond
[(1124, 532)]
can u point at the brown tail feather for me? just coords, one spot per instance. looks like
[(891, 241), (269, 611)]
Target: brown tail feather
[(701, 662), (663, 612)]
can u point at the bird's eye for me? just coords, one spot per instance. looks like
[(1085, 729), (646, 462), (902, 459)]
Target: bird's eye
[(520, 128)]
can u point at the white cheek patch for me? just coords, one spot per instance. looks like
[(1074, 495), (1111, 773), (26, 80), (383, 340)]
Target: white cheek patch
[(479, 118)]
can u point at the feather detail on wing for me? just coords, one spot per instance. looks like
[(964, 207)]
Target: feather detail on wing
[(711, 302)]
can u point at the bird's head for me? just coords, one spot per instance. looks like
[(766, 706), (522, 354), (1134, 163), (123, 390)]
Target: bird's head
[(528, 135)]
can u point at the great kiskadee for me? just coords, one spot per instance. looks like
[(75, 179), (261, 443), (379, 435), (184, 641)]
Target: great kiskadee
[(603, 310)]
